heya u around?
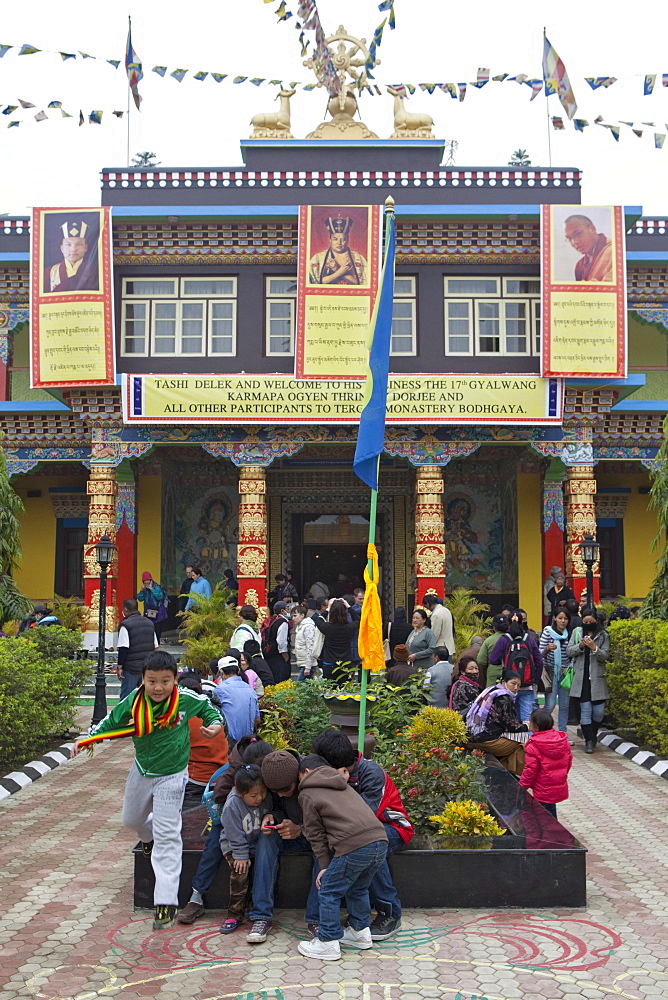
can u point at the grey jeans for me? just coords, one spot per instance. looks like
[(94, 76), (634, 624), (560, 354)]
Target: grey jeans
[(152, 807)]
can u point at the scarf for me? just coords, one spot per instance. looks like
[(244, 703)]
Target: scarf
[(144, 718), (462, 677), (476, 718), (558, 638)]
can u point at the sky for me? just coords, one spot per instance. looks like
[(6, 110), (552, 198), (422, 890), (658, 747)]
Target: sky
[(57, 163)]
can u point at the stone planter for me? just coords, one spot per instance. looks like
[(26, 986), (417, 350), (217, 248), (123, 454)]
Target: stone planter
[(537, 863), (344, 712)]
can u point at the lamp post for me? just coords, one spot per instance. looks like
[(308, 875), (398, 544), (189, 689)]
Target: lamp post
[(104, 553), (589, 550)]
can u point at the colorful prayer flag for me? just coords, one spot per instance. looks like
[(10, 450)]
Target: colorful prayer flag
[(81, 118), (84, 55), (160, 70), (482, 77), (659, 139), (554, 69), (55, 104), (600, 81), (638, 132), (26, 104), (462, 91), (4, 49), (41, 116), (664, 79), (95, 118), (178, 74), (239, 79), (28, 50), (118, 114), (67, 55), (218, 77), (14, 124), (114, 62), (371, 431), (257, 80), (580, 124), (133, 68), (536, 87), (557, 123), (500, 77), (648, 86), (10, 108), (201, 75)]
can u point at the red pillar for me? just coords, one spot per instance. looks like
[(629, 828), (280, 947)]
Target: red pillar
[(553, 525), (126, 540), (252, 550)]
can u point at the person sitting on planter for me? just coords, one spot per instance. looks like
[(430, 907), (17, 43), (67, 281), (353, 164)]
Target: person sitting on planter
[(402, 673), (588, 652), (350, 845), (466, 687), (248, 750), (438, 679), (282, 834), (492, 720), (381, 795)]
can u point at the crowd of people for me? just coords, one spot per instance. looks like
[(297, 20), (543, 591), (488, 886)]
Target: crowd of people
[(198, 739)]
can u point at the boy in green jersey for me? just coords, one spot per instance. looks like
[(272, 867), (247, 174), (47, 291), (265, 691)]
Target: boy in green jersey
[(156, 717)]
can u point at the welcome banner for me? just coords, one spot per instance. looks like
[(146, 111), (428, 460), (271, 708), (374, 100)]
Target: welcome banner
[(71, 304)]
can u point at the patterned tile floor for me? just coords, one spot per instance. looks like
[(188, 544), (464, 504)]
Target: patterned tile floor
[(68, 930)]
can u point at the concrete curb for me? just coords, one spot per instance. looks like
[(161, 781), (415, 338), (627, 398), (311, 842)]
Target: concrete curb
[(632, 752), (17, 780)]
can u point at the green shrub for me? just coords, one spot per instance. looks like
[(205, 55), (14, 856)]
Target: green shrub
[(394, 707), (208, 627), (294, 712), (55, 642), (637, 675), (38, 696), (70, 612)]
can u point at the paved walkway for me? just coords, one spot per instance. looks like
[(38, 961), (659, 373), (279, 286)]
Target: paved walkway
[(68, 930)]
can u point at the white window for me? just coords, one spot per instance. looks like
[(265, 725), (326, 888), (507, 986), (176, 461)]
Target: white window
[(403, 317), (281, 302), (195, 317), (491, 316)]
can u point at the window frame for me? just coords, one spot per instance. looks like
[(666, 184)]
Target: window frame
[(271, 297), (147, 323), (406, 297), (520, 295), (471, 321), (447, 294), (180, 298)]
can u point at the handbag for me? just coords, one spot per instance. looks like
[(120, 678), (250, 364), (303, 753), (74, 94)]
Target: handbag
[(567, 679), (387, 652), (213, 808), (152, 613)]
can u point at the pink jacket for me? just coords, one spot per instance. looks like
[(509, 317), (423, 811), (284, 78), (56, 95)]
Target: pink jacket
[(548, 760)]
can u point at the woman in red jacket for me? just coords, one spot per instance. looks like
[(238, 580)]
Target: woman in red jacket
[(547, 761)]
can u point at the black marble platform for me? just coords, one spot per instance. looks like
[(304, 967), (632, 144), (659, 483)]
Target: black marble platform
[(536, 863)]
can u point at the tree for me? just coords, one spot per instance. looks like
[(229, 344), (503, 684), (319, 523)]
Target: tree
[(145, 159), (451, 146), (13, 604), (520, 158), (655, 604)]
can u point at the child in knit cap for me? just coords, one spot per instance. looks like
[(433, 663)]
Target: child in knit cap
[(350, 845)]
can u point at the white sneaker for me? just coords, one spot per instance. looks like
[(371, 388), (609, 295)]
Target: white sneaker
[(326, 951), (356, 939)]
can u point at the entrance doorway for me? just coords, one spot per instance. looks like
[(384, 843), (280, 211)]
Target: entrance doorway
[(331, 549)]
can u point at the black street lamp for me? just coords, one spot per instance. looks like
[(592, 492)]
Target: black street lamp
[(589, 550), (104, 553)]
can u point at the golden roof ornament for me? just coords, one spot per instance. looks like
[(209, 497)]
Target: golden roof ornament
[(351, 57), (274, 124), (408, 125)]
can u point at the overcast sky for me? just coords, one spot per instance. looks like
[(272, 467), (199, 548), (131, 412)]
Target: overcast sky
[(56, 163)]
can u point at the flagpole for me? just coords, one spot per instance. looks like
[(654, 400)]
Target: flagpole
[(373, 513), (547, 104), (128, 111)]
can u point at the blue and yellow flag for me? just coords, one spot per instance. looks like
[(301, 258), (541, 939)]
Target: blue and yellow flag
[(133, 68), (370, 635), (371, 432)]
